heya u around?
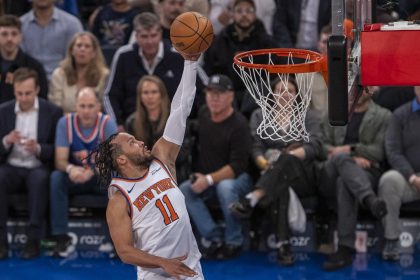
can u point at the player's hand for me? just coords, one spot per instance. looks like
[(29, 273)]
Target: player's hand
[(200, 184), (176, 268), (13, 137), (362, 162), (192, 57)]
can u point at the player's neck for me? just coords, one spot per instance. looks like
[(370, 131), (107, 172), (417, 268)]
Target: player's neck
[(132, 171), (121, 8)]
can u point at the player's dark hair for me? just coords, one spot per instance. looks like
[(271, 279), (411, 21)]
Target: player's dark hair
[(105, 159)]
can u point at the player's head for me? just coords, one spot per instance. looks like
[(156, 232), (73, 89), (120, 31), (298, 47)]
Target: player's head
[(119, 153)]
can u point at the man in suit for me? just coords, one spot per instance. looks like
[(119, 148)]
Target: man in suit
[(297, 23), (27, 132)]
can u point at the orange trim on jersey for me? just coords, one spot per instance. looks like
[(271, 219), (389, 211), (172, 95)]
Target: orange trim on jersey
[(102, 128), (127, 197), (166, 169), (92, 134), (69, 129), (132, 180)]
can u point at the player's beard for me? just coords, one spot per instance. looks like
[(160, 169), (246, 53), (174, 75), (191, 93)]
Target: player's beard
[(141, 161)]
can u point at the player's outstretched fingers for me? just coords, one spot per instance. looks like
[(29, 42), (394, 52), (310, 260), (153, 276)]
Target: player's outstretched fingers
[(192, 57)]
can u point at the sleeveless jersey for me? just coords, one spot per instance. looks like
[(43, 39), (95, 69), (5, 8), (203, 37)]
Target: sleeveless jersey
[(160, 221), (81, 145)]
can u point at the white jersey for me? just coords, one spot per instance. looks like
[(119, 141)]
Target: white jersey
[(160, 221)]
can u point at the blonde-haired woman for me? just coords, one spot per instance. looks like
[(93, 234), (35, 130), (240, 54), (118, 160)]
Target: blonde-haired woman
[(152, 110), (83, 66)]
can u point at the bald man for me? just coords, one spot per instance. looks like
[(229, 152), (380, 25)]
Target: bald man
[(77, 135)]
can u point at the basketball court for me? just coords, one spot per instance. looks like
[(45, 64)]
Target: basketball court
[(252, 265)]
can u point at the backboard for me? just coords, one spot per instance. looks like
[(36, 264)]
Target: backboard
[(344, 50)]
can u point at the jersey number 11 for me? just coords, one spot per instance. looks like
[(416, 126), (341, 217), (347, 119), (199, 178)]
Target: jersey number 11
[(173, 216)]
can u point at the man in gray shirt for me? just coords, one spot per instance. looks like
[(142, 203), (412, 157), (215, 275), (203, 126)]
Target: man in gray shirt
[(47, 31), (402, 183)]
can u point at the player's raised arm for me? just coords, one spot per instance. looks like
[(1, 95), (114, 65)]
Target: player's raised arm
[(168, 146)]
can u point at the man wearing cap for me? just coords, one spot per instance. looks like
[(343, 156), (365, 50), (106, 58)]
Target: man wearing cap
[(224, 142)]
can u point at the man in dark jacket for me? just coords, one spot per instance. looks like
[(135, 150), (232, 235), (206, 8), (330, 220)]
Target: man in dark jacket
[(27, 132), (244, 34), (12, 57), (150, 55)]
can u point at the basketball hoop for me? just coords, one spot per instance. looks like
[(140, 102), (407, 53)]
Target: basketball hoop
[(283, 116)]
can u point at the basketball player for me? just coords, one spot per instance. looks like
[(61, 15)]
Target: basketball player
[(146, 213)]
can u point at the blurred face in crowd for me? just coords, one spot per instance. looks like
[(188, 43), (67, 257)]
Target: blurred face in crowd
[(25, 92), (170, 9), (148, 40), (285, 95), (43, 4), (417, 92), (150, 96), (322, 43), (219, 101), (244, 15), (83, 50), (87, 107), (10, 38)]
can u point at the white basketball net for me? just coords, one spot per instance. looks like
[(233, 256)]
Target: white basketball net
[(283, 113)]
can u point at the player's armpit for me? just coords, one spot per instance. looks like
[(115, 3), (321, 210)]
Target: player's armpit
[(167, 152)]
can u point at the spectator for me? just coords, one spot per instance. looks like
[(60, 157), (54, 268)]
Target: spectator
[(83, 66), (297, 23), (152, 110), (402, 183), (350, 175), (113, 23), (283, 165), (244, 34), (221, 13), (77, 135), (199, 6), (224, 144), (47, 32), (12, 58), (27, 130), (319, 99), (168, 10), (393, 97), (150, 55)]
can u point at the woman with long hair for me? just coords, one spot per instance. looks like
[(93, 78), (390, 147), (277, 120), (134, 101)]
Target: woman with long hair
[(152, 110), (283, 164), (83, 66)]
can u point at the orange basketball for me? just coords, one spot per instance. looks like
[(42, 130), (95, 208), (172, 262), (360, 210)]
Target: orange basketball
[(191, 33)]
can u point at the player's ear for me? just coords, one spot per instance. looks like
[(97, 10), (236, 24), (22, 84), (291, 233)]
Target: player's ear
[(122, 160)]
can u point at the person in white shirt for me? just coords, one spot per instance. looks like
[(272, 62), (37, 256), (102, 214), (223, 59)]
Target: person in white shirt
[(27, 132)]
